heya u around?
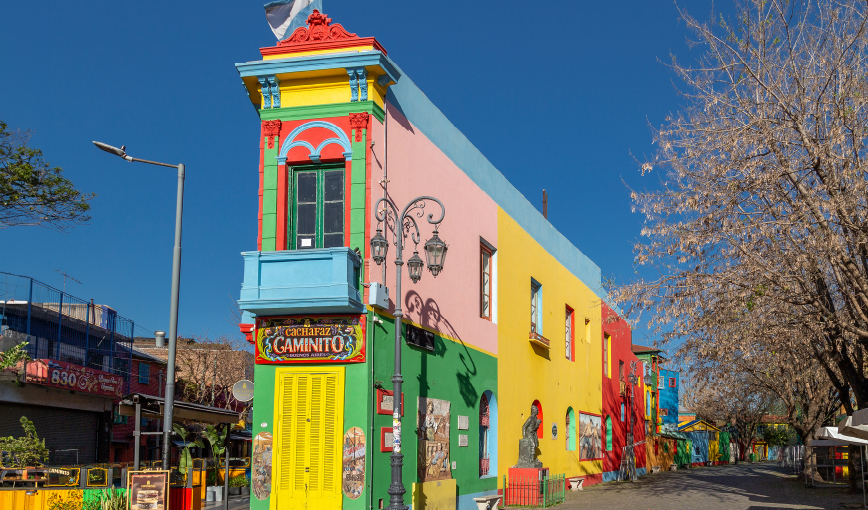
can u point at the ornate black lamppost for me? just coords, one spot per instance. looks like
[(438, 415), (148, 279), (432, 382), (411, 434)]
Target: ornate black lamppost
[(435, 252), (633, 380)]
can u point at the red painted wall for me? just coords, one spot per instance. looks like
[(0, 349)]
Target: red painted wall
[(122, 433), (621, 335)]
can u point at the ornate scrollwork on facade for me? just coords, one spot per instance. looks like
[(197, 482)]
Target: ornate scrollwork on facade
[(318, 29), (359, 121), (270, 129)]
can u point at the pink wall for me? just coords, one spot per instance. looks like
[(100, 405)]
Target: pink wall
[(450, 303)]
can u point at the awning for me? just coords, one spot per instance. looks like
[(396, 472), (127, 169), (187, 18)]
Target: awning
[(856, 425), (152, 407), (184, 444), (832, 433)]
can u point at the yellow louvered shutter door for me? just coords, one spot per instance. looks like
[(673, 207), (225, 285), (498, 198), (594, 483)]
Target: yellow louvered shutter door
[(285, 441), (331, 455), (310, 428), (301, 432), (316, 433)]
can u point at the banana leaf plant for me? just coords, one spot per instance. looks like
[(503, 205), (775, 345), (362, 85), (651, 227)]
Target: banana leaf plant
[(217, 439), (185, 462)]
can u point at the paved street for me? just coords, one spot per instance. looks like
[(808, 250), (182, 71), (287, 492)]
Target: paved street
[(742, 487), (235, 503)]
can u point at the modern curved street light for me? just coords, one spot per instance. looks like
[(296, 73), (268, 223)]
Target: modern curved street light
[(176, 288), (435, 253)]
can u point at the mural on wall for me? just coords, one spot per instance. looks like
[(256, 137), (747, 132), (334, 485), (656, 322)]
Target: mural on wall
[(261, 471), (315, 339), (354, 463), (590, 436), (432, 427)]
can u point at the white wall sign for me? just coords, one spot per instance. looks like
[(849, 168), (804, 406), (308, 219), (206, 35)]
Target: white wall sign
[(463, 422), (462, 440)]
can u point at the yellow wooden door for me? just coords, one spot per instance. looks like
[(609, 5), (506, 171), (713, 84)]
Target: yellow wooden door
[(309, 406)]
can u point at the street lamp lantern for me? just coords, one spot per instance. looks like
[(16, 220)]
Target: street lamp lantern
[(435, 252), (379, 247), (405, 226), (414, 266)]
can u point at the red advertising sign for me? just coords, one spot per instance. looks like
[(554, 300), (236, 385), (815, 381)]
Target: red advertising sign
[(74, 377), (311, 339)]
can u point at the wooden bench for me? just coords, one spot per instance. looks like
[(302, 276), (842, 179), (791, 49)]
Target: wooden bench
[(576, 483), (487, 502)]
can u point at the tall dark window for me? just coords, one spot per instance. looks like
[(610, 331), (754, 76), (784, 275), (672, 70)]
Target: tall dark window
[(317, 208), (144, 372), (485, 282), (535, 307), (568, 333), (484, 424)]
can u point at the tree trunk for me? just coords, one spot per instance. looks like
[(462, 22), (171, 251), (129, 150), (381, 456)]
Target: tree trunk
[(854, 465)]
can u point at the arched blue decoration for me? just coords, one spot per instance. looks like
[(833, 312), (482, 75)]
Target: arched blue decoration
[(291, 141)]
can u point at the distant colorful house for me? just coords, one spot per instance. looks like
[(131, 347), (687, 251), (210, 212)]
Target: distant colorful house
[(704, 438), (623, 402), (668, 384)]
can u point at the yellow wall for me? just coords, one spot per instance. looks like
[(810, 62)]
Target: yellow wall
[(310, 88), (528, 372)]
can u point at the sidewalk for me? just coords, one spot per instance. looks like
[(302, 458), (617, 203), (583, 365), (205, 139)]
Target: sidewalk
[(235, 503)]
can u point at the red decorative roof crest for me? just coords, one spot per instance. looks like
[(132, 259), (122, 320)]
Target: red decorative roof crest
[(319, 29)]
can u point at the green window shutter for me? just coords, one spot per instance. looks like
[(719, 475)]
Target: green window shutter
[(608, 433)]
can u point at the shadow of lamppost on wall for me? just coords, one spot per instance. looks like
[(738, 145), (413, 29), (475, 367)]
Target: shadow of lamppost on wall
[(426, 312)]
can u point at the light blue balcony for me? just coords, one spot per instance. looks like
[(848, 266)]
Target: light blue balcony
[(301, 281)]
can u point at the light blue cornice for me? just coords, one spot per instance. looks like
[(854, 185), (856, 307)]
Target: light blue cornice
[(320, 62)]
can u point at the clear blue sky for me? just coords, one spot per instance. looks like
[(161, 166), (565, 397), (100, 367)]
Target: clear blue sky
[(556, 98)]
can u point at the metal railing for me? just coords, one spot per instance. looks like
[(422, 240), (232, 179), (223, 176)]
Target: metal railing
[(62, 327), (541, 492)]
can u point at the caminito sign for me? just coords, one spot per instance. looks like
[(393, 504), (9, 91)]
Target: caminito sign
[(311, 339)]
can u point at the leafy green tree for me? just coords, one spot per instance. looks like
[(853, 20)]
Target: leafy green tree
[(21, 452), (777, 436), (13, 355), (31, 191)]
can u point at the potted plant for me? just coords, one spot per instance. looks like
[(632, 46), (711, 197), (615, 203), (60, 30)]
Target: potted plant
[(24, 452), (217, 440), (236, 483), (185, 461)]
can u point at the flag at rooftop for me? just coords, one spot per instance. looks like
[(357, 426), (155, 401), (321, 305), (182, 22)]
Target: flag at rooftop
[(284, 16)]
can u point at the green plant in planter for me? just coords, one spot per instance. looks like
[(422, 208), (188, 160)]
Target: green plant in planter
[(185, 462), (238, 481), (26, 451), (112, 499), (217, 439)]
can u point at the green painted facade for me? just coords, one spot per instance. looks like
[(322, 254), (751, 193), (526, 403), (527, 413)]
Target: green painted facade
[(358, 405), (453, 372)]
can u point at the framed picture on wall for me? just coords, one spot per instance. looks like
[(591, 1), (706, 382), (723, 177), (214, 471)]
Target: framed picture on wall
[(590, 436)]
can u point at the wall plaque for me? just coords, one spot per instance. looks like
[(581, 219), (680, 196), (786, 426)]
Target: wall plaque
[(387, 439), (311, 339), (385, 402), (463, 422), (462, 440)]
